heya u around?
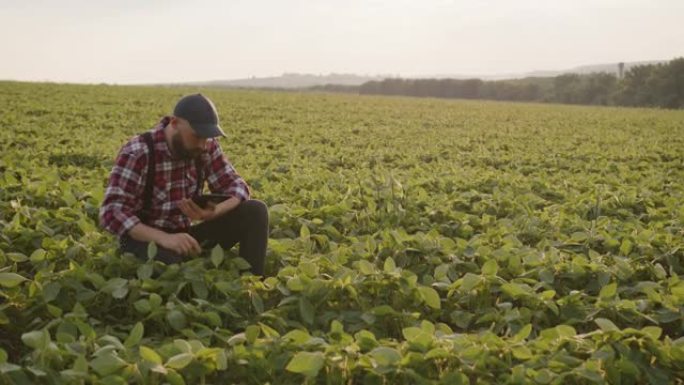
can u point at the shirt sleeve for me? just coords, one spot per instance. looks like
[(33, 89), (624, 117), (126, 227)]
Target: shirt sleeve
[(123, 195), (221, 175)]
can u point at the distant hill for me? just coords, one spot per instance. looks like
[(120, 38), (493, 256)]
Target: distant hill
[(586, 69), (295, 80), (611, 68), (291, 81)]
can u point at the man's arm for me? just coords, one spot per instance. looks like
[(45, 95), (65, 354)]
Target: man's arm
[(197, 213), (223, 179), (181, 243), (123, 198), (123, 195), (226, 206)]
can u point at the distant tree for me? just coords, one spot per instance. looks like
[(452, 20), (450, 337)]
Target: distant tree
[(667, 84), (598, 88), (567, 88), (659, 85), (634, 88)]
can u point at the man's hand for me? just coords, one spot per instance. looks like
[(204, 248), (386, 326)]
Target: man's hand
[(196, 213), (181, 243)]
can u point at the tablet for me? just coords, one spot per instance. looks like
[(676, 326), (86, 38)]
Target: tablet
[(203, 200)]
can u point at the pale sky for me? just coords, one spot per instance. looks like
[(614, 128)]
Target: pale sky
[(128, 41)]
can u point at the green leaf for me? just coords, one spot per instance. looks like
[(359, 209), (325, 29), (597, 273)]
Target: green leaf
[(17, 257), (176, 319), (155, 300), (304, 232), (469, 281), (652, 331), (608, 291), (182, 345), (54, 311), (221, 360), (174, 378), (135, 336), (490, 267), (295, 284), (11, 279), (543, 376), (437, 353), (521, 352), (252, 333), (455, 378), (383, 310), (117, 287), (417, 337), (257, 302), (107, 364), (306, 310), (430, 296), (441, 272), (7, 368), (241, 263), (390, 265), (385, 356), (297, 336), (579, 236), (365, 267), (86, 330), (38, 255), (217, 255), (523, 333), (151, 250), (51, 291), (566, 331), (145, 271), (336, 327), (591, 375), (606, 325), (179, 361), (37, 339), (626, 247), (309, 269), (514, 290), (81, 364), (150, 355), (142, 306), (159, 368), (268, 331), (306, 363)]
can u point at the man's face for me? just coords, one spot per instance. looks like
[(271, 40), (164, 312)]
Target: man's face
[(185, 143)]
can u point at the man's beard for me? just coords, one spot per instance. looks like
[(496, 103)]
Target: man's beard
[(180, 151)]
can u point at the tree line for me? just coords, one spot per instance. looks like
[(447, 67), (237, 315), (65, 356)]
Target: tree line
[(653, 85)]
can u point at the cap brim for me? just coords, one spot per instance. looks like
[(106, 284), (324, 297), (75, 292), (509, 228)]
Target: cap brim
[(208, 130)]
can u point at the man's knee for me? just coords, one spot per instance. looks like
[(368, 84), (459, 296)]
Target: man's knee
[(256, 209)]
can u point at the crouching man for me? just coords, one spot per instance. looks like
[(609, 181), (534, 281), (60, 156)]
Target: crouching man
[(156, 174)]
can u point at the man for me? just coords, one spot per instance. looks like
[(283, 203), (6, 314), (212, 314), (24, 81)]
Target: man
[(142, 207)]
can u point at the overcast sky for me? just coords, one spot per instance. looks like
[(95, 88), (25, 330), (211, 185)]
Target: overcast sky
[(129, 41)]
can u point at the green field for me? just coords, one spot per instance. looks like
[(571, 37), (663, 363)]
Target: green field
[(413, 241)]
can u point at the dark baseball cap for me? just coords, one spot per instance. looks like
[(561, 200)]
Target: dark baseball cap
[(201, 113)]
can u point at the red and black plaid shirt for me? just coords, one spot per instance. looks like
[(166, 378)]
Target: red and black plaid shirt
[(174, 180)]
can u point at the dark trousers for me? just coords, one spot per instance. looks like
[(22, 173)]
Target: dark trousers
[(246, 224)]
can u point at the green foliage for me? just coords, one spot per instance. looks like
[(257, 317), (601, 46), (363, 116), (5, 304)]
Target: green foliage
[(652, 85), (412, 241)]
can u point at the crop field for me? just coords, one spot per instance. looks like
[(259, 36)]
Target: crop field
[(412, 241)]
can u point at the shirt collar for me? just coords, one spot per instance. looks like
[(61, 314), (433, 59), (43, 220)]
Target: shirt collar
[(159, 136)]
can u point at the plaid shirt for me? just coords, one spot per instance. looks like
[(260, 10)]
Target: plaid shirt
[(174, 180)]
